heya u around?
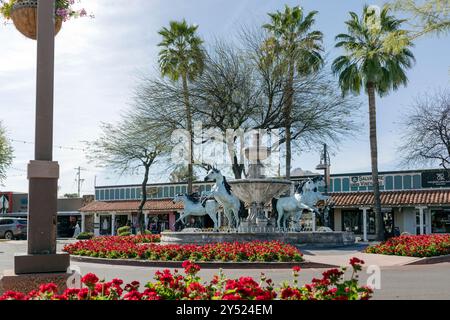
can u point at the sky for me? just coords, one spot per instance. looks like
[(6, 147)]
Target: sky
[(98, 63)]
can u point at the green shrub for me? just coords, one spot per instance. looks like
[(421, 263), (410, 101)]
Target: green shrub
[(124, 231), (85, 236), (125, 234)]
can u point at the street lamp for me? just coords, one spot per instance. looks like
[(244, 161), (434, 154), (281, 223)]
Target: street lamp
[(325, 166), (43, 172)]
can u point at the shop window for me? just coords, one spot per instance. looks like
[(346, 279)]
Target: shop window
[(398, 183), (337, 185), (183, 189), (352, 221), (122, 194), (389, 183), (138, 193), (440, 220), (417, 182), (330, 188), (346, 184), (127, 194), (107, 197), (167, 192), (172, 192), (97, 194), (407, 182), (160, 193), (102, 195), (133, 193), (178, 190)]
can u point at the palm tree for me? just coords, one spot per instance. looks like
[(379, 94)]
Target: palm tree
[(182, 56), (301, 51), (368, 64)]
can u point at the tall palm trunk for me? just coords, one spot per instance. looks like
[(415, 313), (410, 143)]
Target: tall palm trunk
[(374, 159), (288, 119), (190, 131), (141, 219)]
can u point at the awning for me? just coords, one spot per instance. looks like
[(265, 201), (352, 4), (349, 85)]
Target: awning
[(412, 198), (153, 206)]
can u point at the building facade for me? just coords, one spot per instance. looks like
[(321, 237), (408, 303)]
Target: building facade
[(15, 205), (416, 202)]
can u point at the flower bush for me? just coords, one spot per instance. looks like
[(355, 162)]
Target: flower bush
[(142, 247), (414, 246), (64, 9), (175, 286)]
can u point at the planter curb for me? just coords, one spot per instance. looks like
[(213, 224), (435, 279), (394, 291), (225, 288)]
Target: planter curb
[(203, 265), (430, 260)]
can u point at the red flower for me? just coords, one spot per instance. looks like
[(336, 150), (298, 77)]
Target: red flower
[(296, 269), (48, 288), (11, 295), (89, 279), (354, 261)]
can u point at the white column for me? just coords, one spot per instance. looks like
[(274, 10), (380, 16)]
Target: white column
[(364, 224), (83, 222), (421, 224), (145, 220), (313, 215), (113, 224), (96, 224)]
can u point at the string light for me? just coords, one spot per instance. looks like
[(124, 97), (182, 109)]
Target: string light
[(54, 146)]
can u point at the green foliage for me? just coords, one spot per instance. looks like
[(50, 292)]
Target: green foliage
[(426, 16), (6, 153), (124, 231), (6, 7), (292, 38), (85, 236), (368, 59), (182, 54)]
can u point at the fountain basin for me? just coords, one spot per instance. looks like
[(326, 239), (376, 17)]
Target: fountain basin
[(260, 191), (319, 239)]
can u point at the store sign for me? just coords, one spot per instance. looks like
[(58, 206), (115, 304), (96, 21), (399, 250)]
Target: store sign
[(365, 181), (436, 179)]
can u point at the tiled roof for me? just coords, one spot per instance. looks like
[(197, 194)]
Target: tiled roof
[(393, 198), (131, 206), (344, 199)]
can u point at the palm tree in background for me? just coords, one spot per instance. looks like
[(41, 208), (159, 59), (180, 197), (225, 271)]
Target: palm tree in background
[(301, 48), (182, 57), (370, 65)]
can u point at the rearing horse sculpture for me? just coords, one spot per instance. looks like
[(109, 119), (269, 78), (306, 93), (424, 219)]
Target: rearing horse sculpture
[(222, 192), (197, 208)]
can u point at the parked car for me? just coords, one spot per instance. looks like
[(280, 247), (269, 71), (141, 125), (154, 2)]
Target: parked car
[(13, 228)]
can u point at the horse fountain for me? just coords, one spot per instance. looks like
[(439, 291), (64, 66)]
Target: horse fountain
[(256, 191)]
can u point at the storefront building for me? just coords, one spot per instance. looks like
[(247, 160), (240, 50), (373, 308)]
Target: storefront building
[(415, 202), (117, 206), (15, 205)]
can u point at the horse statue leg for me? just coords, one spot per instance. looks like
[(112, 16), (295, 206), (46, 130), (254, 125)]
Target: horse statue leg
[(236, 215), (280, 217)]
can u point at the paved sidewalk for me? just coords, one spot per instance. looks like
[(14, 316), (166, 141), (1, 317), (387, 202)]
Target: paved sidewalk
[(341, 256)]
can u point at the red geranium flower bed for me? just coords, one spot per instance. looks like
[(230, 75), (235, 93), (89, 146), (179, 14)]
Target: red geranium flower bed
[(141, 248), (175, 286), (414, 246)]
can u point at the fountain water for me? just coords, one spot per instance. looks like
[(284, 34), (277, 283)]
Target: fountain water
[(257, 190)]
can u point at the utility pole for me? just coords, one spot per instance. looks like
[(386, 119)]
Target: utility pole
[(79, 180)]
